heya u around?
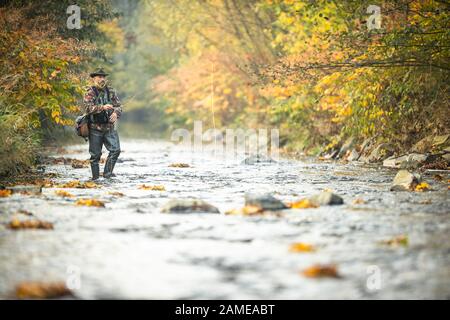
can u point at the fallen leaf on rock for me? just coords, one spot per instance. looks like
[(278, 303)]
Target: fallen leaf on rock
[(5, 193), (78, 184), (301, 247), (426, 201), (29, 224), (116, 193), (401, 240), (359, 201), (41, 290), (70, 184), (423, 186), (321, 271), (89, 185), (64, 194), (179, 165), (90, 203), (438, 177), (152, 187), (246, 211), (302, 204)]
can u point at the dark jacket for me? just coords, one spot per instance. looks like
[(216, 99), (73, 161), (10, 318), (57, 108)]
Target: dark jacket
[(93, 107)]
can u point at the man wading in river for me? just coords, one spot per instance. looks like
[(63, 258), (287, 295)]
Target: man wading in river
[(103, 109)]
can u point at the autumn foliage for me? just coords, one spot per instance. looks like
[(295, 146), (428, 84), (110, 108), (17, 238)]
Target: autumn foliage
[(42, 74), (313, 69)]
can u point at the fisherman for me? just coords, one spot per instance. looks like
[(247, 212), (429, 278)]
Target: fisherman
[(103, 108)]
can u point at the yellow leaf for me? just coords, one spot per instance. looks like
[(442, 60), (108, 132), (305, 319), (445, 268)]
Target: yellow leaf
[(401, 240), (302, 204), (90, 203), (246, 211), (116, 193), (301, 247), (29, 224), (154, 187), (78, 184), (423, 186), (321, 271), (5, 193), (179, 165), (40, 290), (64, 194)]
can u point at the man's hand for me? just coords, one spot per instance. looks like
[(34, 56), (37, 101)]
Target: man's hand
[(107, 107), (113, 117)]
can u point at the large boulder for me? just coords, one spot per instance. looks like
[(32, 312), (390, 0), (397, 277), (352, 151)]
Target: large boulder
[(440, 142), (431, 143), (380, 153), (188, 206), (446, 157), (407, 161), (353, 156), (264, 201), (405, 181), (326, 198), (348, 144)]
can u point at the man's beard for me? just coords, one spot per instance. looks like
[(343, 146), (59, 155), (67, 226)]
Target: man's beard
[(101, 84)]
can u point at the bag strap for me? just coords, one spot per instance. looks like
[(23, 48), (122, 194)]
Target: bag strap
[(94, 88), (97, 93), (107, 93)]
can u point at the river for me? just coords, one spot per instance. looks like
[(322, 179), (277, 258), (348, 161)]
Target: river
[(129, 249)]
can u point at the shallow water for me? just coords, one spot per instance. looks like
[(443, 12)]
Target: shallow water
[(131, 250)]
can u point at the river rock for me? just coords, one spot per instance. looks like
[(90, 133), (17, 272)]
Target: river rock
[(407, 161), (446, 157), (423, 145), (353, 156), (348, 144), (442, 140), (431, 143), (257, 158), (264, 201), (366, 145), (326, 198), (381, 152), (405, 181), (188, 206)]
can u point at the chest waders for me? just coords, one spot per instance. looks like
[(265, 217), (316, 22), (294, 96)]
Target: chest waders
[(98, 138)]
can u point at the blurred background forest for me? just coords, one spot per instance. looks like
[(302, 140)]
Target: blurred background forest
[(313, 69)]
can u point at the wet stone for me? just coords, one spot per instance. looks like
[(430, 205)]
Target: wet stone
[(326, 198), (189, 206), (264, 201), (405, 181), (354, 155)]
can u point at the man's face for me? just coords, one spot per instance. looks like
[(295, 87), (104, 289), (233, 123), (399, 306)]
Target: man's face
[(100, 81)]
